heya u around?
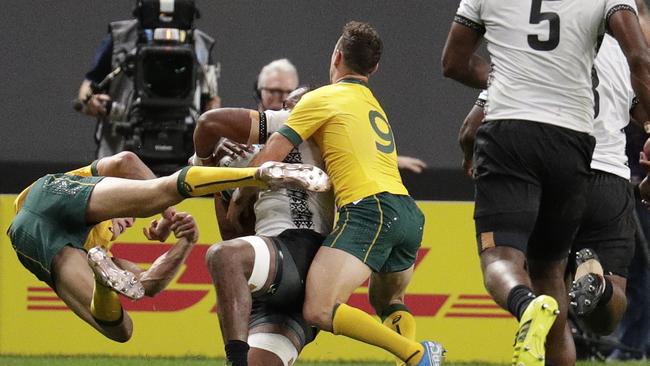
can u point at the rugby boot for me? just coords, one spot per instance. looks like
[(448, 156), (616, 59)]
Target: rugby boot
[(434, 354), (588, 285), (535, 323), (112, 276), (304, 176)]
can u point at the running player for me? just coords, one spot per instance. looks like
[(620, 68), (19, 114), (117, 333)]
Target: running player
[(597, 295), (265, 273), (533, 153), (59, 216), (380, 227)]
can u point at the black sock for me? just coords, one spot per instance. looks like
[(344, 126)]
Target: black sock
[(607, 293), (518, 299), (237, 352)]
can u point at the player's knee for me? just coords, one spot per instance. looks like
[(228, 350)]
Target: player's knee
[(318, 315), (224, 255)]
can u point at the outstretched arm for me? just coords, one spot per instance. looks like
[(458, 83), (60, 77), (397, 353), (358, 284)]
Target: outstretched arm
[(236, 124), (164, 268)]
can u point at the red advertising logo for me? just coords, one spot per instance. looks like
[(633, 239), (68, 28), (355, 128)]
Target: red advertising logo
[(195, 273)]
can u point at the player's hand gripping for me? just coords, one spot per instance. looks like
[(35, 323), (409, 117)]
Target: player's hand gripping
[(160, 229), (184, 226)]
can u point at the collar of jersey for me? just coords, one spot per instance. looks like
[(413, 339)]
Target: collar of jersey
[(352, 81)]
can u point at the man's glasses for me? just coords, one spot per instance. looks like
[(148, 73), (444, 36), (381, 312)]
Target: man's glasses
[(277, 91)]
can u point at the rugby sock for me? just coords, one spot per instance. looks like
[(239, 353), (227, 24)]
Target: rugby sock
[(356, 324), (237, 353), (398, 317), (608, 292), (518, 299), (105, 305), (196, 181)]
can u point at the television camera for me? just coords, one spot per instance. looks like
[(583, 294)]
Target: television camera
[(158, 118)]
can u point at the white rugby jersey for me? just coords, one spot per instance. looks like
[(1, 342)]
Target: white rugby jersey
[(290, 208), (542, 53), (613, 98)]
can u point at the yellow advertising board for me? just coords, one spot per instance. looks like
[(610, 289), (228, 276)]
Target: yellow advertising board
[(446, 296)]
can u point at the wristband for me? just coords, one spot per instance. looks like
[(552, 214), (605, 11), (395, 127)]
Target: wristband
[(195, 160)]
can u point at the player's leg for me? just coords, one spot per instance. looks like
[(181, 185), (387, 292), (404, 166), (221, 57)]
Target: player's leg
[(97, 305), (548, 277), (512, 170), (53, 250), (346, 259), (276, 339), (388, 287), (566, 188), (117, 197), (239, 267), (597, 298), (386, 293), (274, 269), (604, 248)]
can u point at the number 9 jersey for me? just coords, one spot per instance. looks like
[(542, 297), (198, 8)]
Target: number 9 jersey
[(352, 131), (542, 52)]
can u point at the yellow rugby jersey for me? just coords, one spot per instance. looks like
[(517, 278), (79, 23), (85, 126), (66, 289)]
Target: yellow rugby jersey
[(101, 233), (352, 131)]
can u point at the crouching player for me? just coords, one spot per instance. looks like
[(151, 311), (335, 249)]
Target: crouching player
[(60, 216), (260, 279)]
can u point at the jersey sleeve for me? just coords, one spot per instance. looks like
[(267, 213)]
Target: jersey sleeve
[(306, 118), (613, 6), (469, 15), (275, 120)]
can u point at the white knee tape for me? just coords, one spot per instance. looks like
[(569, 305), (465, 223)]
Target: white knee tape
[(262, 262), (277, 344)]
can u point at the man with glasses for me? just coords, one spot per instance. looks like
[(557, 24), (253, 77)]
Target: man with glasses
[(274, 83)]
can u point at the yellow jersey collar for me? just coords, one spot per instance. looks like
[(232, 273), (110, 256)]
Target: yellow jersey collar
[(352, 81)]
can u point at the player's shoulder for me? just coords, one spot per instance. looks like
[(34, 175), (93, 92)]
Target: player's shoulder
[(319, 95)]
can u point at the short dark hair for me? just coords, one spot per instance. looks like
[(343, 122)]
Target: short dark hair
[(361, 47)]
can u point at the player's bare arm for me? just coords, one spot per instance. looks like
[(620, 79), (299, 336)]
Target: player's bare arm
[(232, 123), (459, 61), (627, 31), (164, 268), (467, 135), (640, 117)]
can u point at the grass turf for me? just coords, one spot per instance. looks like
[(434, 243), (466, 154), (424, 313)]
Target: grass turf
[(201, 361)]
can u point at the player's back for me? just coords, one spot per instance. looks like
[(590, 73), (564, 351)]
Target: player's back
[(542, 53), (355, 138)]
